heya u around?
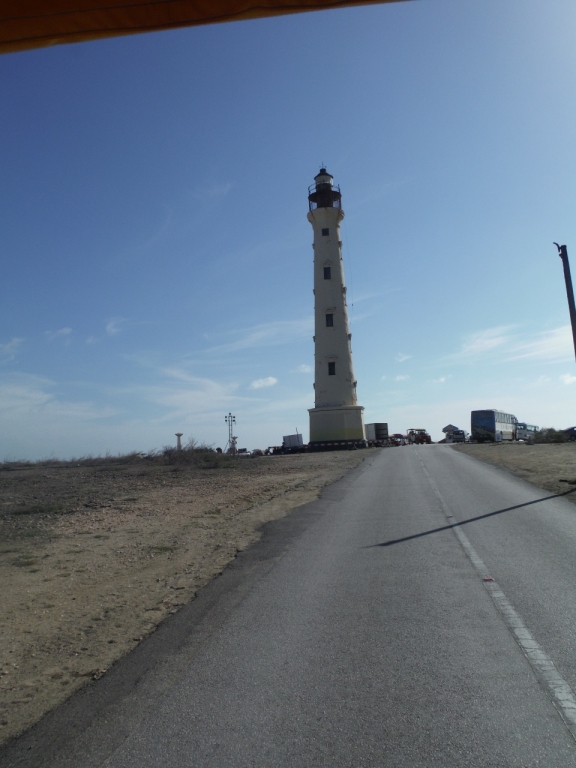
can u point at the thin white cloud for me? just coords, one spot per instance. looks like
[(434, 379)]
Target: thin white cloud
[(11, 345), (19, 393), (203, 397), (269, 381), (8, 350), (441, 380), (358, 298), (267, 335), (182, 398), (304, 368), (214, 191), (485, 341), (401, 378), (177, 386), (507, 344), (62, 333), (29, 395), (567, 378), (180, 374), (401, 357), (187, 393), (114, 325), (549, 346)]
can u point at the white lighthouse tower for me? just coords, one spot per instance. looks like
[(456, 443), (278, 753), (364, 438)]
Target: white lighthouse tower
[(336, 421)]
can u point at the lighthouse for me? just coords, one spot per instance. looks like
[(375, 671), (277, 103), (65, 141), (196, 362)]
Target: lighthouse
[(336, 421)]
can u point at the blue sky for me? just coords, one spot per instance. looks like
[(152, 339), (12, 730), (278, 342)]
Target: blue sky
[(157, 260)]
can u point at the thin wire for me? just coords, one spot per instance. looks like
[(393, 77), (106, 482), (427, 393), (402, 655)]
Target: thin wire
[(349, 261)]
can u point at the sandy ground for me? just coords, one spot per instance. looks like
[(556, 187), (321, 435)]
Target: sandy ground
[(549, 466), (92, 559)]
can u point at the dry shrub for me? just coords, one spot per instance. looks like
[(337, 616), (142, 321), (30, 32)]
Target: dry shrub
[(550, 435), (194, 453)]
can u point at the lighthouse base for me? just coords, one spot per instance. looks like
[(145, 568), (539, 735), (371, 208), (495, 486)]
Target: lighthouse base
[(339, 428)]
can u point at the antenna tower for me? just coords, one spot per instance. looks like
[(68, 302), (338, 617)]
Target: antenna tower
[(232, 439)]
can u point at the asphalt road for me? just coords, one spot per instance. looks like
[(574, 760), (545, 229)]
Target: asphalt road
[(421, 613)]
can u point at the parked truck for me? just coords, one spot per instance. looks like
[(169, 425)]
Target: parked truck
[(292, 441), (377, 433), (456, 436), (290, 444), (418, 436)]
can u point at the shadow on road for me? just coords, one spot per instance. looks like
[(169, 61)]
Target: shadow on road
[(465, 522)]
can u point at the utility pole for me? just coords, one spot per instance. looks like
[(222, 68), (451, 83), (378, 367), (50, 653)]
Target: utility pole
[(232, 439), (563, 253)]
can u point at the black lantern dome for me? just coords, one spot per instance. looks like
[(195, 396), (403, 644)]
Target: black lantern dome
[(323, 193)]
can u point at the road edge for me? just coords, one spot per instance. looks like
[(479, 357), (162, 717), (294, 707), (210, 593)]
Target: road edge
[(135, 682)]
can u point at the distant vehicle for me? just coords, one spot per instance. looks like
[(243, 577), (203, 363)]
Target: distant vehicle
[(453, 434), (527, 432), (493, 426), (570, 433), (456, 436), (418, 436), (377, 432), (290, 444), (398, 439), (293, 441)]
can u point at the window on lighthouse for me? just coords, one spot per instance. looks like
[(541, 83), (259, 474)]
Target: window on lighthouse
[(331, 369), (325, 232), (329, 321), (327, 273)]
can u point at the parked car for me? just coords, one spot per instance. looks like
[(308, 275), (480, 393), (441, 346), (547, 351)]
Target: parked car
[(570, 433)]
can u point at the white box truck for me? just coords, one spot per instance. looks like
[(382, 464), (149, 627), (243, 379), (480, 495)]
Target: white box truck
[(292, 441), (377, 431)]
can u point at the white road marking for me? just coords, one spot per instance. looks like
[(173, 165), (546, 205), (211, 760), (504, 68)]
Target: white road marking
[(560, 691)]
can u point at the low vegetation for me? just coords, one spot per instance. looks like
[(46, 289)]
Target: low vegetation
[(550, 465), (193, 454), (551, 435), (96, 552)]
